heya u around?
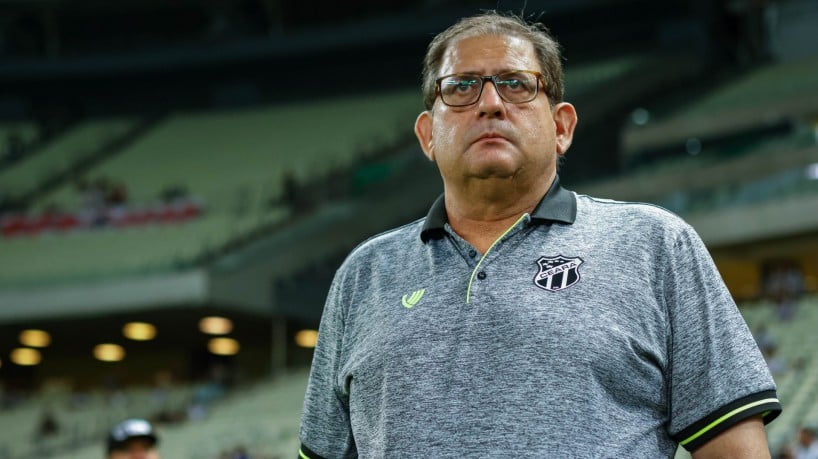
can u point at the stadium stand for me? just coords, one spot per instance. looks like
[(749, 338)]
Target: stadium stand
[(721, 175), (215, 153), (281, 180), (600, 73), (796, 341), (122, 251), (263, 418), (27, 131), (16, 140), (60, 154), (234, 162), (81, 418), (760, 98)]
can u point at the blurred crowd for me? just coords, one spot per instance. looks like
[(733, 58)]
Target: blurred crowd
[(104, 203)]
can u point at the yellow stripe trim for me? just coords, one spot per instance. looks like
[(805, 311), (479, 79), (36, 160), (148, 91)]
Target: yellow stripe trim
[(471, 279), (725, 417), (302, 455)]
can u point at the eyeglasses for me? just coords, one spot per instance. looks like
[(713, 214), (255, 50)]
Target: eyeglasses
[(514, 86)]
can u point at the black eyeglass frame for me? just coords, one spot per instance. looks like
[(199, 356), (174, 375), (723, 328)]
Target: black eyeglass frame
[(493, 79)]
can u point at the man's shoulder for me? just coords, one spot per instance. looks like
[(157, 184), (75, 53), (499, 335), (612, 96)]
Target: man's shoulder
[(392, 241), (622, 212)]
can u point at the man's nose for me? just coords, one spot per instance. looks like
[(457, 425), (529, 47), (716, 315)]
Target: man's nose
[(490, 103)]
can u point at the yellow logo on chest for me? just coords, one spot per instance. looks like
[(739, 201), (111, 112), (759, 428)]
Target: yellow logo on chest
[(413, 299)]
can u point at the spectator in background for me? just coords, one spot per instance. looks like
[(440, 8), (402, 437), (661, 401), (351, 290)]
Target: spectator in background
[(775, 362), (807, 447), (133, 439), (48, 425), (173, 193), (290, 192), (92, 202), (784, 285), (116, 202), (117, 194), (5, 201), (239, 452), (764, 339), (794, 281), (15, 148), (300, 198)]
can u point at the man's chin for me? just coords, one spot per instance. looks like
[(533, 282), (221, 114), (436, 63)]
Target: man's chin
[(496, 173), (495, 165)]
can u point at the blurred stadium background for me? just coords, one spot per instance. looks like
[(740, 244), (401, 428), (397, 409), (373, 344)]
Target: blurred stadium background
[(179, 181)]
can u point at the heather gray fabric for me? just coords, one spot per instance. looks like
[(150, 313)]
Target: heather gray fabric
[(605, 337)]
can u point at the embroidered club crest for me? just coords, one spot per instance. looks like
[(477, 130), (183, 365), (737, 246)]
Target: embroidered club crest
[(557, 273)]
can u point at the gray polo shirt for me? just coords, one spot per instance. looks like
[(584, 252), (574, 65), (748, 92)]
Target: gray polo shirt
[(591, 328)]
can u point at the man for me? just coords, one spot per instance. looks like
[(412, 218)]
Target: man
[(133, 439), (519, 319)]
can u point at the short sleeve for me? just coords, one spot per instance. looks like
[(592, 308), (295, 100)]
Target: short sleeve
[(325, 427), (717, 376)]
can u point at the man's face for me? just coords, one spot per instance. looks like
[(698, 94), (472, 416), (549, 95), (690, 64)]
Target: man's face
[(494, 139), (137, 448)]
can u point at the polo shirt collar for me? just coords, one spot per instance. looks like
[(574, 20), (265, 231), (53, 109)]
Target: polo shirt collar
[(558, 205)]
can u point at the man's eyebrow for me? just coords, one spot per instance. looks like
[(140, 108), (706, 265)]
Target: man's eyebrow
[(464, 72), (481, 73)]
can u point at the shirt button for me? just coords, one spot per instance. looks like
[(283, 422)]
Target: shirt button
[(472, 253), (481, 275)]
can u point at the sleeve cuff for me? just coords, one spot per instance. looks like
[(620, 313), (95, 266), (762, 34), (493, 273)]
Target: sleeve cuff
[(306, 453), (700, 432)]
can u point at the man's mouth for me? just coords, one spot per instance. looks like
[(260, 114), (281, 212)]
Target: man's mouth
[(491, 136)]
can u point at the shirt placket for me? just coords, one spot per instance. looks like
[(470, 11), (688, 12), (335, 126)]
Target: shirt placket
[(479, 276)]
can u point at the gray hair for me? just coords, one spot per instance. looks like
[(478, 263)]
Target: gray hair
[(546, 49)]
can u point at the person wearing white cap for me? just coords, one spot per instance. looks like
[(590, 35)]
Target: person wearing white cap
[(133, 439)]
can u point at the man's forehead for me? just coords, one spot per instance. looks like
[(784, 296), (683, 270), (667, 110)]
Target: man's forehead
[(488, 54)]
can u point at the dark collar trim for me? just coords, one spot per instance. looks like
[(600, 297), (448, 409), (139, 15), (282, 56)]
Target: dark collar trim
[(436, 220), (558, 205)]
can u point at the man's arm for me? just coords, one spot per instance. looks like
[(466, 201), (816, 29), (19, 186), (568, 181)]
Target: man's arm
[(326, 431), (718, 376), (747, 439)]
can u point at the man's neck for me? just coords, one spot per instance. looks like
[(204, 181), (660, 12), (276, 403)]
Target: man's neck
[(482, 212)]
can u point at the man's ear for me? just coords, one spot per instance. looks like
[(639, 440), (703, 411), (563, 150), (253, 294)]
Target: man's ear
[(423, 131), (565, 119)]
